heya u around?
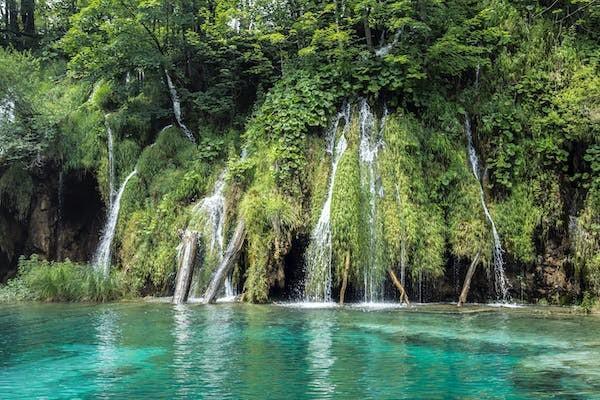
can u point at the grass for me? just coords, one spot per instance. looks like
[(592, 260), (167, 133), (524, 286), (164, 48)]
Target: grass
[(64, 281)]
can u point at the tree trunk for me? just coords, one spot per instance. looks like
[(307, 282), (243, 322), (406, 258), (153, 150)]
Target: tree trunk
[(467, 285), (368, 34), (186, 267), (229, 259), (12, 16), (28, 16), (399, 286), (403, 263), (345, 277)]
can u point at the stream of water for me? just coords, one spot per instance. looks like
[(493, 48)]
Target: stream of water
[(501, 282)]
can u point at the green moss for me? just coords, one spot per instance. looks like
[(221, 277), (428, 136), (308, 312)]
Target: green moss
[(413, 225), (347, 219), (270, 218), (148, 245), (587, 241)]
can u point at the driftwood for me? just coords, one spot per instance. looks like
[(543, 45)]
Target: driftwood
[(399, 286), (186, 267), (467, 285), (227, 264), (345, 277)]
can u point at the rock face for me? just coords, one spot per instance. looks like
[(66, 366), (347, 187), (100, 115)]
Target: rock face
[(63, 222), (42, 224)]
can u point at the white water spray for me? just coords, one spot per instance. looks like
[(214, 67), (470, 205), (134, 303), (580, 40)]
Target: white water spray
[(101, 260), (213, 208), (319, 253), (501, 282), (7, 110), (370, 143), (177, 108)]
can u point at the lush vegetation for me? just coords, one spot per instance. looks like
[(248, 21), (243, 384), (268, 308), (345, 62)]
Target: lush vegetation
[(62, 281), (266, 79)]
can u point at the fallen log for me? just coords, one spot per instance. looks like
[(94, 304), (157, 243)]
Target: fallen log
[(186, 266), (467, 285), (399, 286), (227, 263)]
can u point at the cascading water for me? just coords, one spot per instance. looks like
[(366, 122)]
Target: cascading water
[(213, 208), (370, 143), (101, 260), (111, 163), (501, 282), (177, 108), (212, 211), (7, 110), (319, 253)]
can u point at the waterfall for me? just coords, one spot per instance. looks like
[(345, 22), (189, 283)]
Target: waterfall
[(212, 209), (7, 110), (177, 108), (230, 290), (501, 282), (101, 260), (111, 163), (370, 143), (319, 253)]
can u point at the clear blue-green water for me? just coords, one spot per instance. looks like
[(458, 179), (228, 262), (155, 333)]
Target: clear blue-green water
[(148, 350)]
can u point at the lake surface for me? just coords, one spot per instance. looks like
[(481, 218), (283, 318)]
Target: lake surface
[(149, 350)]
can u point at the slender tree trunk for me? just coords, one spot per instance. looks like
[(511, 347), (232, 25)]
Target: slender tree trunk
[(229, 259), (345, 277), (28, 16), (399, 286), (467, 285), (12, 17), (403, 263)]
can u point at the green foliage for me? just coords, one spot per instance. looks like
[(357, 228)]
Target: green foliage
[(14, 290), (587, 241), (270, 218), (526, 73), (588, 303), (517, 218), (414, 231), (300, 102), (149, 239), (63, 282), (27, 125)]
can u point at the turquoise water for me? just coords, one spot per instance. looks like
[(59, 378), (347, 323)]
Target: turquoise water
[(147, 350)]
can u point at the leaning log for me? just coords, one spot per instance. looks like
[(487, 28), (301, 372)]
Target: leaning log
[(399, 286), (229, 259), (467, 285), (345, 277), (186, 266)]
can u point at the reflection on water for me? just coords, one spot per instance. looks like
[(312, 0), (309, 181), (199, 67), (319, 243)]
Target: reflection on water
[(241, 351), (319, 355), (106, 336), (182, 350)]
